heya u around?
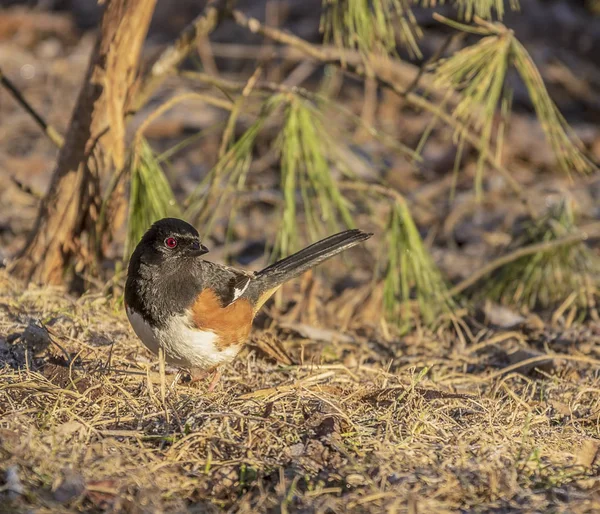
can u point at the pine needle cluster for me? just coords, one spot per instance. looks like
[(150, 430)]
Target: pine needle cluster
[(151, 197), (311, 163), (549, 277)]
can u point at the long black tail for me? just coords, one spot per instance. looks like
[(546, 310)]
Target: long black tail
[(273, 276)]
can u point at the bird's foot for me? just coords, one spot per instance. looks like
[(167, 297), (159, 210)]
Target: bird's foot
[(196, 375), (199, 375)]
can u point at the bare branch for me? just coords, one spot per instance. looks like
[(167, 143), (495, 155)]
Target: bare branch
[(172, 56), (49, 130)]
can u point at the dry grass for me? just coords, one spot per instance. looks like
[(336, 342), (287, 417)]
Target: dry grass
[(428, 423)]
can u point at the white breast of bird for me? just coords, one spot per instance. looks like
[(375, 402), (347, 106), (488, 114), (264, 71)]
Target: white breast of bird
[(184, 345)]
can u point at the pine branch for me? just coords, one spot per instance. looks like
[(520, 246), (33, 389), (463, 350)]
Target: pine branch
[(232, 86), (411, 280), (377, 67), (593, 230)]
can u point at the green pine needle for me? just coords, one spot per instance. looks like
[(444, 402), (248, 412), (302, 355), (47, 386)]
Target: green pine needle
[(411, 278), (370, 26), (468, 9), (151, 197), (478, 73), (377, 26), (227, 177), (306, 152), (547, 278), (566, 145)]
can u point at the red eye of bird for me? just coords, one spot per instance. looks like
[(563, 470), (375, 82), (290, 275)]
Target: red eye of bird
[(170, 242)]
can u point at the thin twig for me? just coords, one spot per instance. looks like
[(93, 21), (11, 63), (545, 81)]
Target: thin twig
[(517, 254), (170, 58), (497, 339), (232, 86), (262, 393), (436, 55), (536, 360), (26, 189), (375, 188), (256, 27), (235, 111), (205, 53), (49, 130), (211, 100)]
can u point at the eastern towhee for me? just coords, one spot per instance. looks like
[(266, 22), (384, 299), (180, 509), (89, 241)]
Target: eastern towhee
[(198, 312)]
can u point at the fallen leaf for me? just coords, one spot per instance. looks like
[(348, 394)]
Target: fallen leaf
[(501, 316)]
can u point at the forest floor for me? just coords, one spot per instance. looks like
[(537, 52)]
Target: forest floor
[(307, 419), (324, 411)]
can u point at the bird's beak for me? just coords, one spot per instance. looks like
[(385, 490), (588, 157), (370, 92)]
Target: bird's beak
[(198, 249)]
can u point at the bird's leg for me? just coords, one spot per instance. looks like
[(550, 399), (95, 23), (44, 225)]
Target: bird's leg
[(201, 374), (215, 380), (196, 375)]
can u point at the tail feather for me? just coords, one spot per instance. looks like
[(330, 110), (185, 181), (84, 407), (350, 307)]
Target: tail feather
[(309, 257)]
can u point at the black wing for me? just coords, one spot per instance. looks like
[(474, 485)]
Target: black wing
[(228, 283), (236, 287)]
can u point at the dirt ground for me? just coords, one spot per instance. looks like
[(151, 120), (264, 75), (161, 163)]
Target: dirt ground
[(305, 420), (324, 411)]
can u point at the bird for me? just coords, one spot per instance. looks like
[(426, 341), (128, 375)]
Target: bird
[(200, 313)]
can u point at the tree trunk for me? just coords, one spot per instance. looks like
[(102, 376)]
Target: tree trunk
[(64, 238)]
